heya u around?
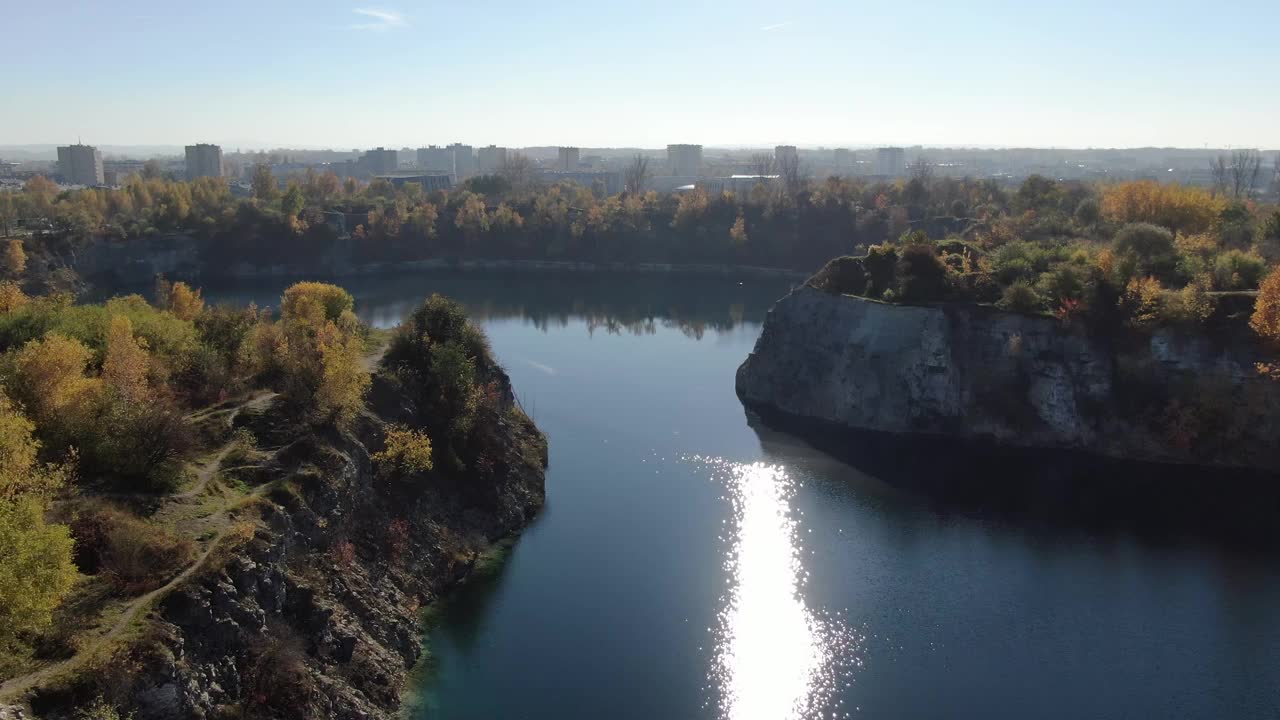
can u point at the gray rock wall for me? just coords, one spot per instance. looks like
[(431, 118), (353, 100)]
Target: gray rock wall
[(973, 372)]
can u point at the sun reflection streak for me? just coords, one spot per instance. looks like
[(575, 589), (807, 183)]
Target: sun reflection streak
[(775, 659)]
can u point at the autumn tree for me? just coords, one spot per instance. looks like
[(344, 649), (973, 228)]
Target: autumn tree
[(11, 297), (321, 352), (14, 259), (126, 364), (1178, 208), (49, 379), (738, 233), (1266, 308), (36, 571), (185, 302), (471, 217)]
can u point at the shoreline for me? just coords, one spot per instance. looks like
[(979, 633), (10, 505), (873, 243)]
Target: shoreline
[(246, 272)]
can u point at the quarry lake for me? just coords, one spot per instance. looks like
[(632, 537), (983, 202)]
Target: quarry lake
[(692, 563)]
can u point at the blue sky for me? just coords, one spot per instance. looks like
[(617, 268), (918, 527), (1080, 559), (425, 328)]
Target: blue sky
[(809, 72)]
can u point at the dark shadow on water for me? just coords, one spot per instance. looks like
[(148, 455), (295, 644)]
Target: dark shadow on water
[(1042, 491)]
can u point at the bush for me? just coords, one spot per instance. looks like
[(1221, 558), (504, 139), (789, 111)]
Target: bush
[(1088, 213), (1020, 297), (407, 451), (1143, 301), (1065, 282), (1189, 306), (1149, 246), (881, 265), (841, 276), (147, 447), (1238, 270), (921, 274), (136, 556)]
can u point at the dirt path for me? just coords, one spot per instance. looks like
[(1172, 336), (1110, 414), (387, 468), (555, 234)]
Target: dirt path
[(206, 473), (11, 690)]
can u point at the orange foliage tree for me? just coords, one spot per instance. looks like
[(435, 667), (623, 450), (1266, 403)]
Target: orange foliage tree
[(1179, 208)]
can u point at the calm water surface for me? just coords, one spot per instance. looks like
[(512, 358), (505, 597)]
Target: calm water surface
[(691, 564)]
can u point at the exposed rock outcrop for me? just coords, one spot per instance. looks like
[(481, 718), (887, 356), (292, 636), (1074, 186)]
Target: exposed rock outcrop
[(975, 373), (314, 611)]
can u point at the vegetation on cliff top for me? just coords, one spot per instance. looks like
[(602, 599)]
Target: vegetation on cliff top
[(106, 408), (1141, 254)]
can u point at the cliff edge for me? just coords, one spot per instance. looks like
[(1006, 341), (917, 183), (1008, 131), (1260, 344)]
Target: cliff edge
[(975, 373)]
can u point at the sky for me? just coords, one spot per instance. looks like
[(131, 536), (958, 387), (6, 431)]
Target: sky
[(357, 74)]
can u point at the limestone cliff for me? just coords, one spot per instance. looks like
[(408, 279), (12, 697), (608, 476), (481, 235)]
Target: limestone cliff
[(313, 610), (976, 373)]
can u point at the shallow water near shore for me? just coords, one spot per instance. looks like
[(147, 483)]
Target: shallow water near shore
[(691, 563)]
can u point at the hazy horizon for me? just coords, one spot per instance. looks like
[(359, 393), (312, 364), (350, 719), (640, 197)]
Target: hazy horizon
[(813, 73)]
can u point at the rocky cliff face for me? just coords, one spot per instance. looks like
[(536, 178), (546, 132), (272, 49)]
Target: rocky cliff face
[(313, 611), (976, 373)]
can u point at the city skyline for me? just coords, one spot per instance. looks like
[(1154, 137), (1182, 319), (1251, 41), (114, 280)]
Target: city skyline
[(822, 73)]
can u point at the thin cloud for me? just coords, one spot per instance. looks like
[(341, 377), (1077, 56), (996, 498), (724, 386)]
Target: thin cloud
[(776, 26), (384, 19)]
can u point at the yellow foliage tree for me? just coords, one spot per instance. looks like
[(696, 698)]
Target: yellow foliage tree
[(1179, 208), (1266, 308), (35, 558), (320, 351), (1144, 298), (20, 473), (15, 258), (11, 297), (738, 233), (127, 362), (406, 450), (343, 378), (185, 302), (36, 571), (49, 379)]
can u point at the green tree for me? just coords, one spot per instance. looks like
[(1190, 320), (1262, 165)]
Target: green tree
[(293, 201), (263, 185), (36, 571), (1149, 247)]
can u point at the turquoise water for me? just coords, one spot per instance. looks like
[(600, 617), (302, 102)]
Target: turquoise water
[(690, 563)]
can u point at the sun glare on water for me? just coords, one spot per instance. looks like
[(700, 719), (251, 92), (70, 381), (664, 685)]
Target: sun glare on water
[(775, 658)]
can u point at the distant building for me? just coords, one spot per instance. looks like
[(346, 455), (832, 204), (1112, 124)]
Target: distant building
[(891, 162), (786, 154), (204, 160), (80, 165), (567, 159), (428, 181), (435, 159), (684, 160), (740, 185), (464, 161), (843, 159), (490, 159), (378, 161)]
